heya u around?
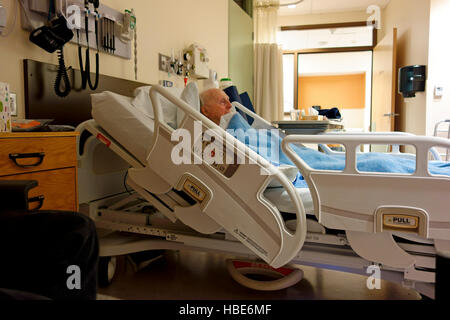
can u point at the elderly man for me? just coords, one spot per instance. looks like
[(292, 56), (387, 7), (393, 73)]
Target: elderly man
[(214, 104)]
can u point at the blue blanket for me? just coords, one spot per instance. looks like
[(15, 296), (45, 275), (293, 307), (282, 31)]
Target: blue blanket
[(268, 145)]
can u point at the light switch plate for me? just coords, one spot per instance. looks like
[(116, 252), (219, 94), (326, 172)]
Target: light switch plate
[(164, 63), (438, 91)]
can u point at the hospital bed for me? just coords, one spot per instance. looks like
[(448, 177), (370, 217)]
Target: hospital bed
[(398, 222)]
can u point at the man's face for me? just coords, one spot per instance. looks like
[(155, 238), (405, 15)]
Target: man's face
[(216, 105)]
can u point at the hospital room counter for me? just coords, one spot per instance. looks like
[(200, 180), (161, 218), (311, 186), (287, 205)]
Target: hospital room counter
[(47, 157), (189, 275)]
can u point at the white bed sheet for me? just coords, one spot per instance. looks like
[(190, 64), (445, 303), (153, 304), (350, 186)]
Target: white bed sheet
[(134, 130)]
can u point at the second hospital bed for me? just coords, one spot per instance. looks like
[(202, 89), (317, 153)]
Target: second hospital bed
[(220, 208)]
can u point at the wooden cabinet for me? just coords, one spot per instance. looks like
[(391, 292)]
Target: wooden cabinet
[(49, 158)]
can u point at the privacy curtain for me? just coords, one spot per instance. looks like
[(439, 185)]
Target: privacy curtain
[(268, 61)]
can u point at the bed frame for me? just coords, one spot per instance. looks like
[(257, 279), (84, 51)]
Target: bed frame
[(364, 228)]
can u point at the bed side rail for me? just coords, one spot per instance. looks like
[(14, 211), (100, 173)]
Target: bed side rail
[(234, 202), (359, 201), (395, 147), (260, 123), (102, 163), (103, 137), (422, 144)]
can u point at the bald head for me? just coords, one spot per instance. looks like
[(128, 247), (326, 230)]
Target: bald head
[(214, 104)]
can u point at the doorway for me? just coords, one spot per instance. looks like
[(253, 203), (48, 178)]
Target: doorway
[(337, 80), (330, 66)]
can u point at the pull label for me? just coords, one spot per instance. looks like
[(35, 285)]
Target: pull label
[(193, 190), (401, 221)]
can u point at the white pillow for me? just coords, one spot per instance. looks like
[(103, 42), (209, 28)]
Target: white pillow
[(191, 96), (171, 113), (143, 102)]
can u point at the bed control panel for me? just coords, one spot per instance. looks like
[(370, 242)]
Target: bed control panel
[(195, 189), (192, 189), (402, 219)]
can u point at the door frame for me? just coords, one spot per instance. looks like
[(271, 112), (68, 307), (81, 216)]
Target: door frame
[(394, 84), (325, 50)]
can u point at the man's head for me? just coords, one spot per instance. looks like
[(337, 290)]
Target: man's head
[(214, 104)]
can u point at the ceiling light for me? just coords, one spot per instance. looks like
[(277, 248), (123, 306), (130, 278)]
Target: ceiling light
[(292, 6)]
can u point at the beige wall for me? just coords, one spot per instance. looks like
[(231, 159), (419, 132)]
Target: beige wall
[(338, 17), (439, 65), (412, 19), (240, 50), (162, 25)]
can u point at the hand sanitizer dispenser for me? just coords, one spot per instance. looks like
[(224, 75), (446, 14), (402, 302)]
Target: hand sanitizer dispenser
[(411, 80)]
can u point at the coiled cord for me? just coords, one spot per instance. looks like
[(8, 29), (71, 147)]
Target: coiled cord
[(97, 59), (80, 60), (62, 76), (86, 73), (88, 68)]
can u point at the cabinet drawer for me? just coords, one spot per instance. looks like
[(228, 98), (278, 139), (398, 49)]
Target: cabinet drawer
[(57, 186), (37, 154)]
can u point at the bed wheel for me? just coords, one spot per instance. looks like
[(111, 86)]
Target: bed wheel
[(106, 270), (285, 277)]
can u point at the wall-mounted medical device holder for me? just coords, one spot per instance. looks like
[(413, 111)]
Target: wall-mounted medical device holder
[(196, 61), (126, 30), (171, 65), (52, 37), (411, 79), (34, 14), (192, 63)]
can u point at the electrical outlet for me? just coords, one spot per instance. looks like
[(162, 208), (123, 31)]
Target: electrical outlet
[(164, 63)]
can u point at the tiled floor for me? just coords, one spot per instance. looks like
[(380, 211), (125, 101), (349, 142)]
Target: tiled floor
[(203, 276)]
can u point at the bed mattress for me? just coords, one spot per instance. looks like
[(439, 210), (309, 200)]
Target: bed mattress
[(133, 130), (129, 126)]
